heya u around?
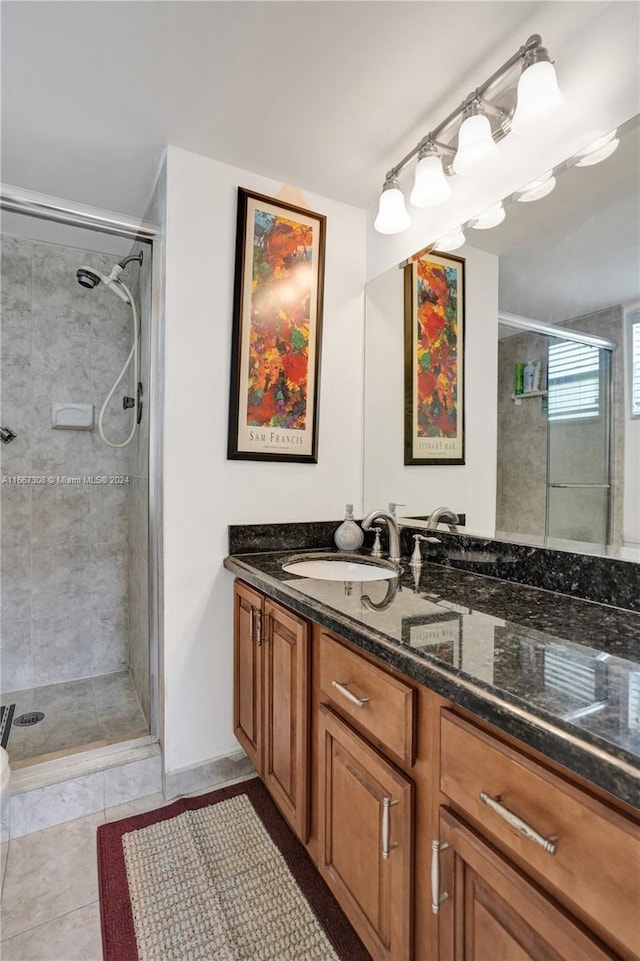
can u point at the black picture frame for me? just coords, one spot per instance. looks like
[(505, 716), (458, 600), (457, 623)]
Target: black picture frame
[(277, 331), (434, 331)]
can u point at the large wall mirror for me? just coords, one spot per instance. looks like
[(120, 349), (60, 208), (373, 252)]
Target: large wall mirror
[(557, 283)]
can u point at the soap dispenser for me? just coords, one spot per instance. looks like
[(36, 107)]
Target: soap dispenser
[(349, 535)]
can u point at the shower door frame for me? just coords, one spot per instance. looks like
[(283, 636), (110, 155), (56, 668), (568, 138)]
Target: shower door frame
[(43, 207), (530, 325)]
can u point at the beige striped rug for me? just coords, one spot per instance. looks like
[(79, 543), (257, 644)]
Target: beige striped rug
[(217, 877), (211, 884)]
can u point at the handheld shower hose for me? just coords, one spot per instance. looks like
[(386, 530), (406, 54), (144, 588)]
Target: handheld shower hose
[(135, 321), (90, 278)]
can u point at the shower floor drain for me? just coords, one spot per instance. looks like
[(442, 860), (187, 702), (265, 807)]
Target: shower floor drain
[(26, 720)]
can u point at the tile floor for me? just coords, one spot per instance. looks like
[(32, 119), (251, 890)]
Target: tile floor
[(50, 908), (78, 714)]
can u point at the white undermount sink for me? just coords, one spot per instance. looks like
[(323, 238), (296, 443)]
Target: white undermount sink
[(333, 567)]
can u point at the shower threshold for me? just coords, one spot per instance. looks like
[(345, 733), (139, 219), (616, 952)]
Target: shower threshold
[(78, 716)]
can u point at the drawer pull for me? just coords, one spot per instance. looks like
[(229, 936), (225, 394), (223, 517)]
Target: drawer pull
[(344, 690), (387, 804), (436, 897), (546, 843)]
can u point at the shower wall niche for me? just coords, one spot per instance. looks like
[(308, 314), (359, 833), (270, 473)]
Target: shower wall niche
[(68, 505)]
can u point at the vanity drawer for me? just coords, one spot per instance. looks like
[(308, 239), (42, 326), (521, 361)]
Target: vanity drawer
[(380, 705), (593, 852)]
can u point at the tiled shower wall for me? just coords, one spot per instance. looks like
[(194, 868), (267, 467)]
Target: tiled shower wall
[(522, 442), (64, 542)]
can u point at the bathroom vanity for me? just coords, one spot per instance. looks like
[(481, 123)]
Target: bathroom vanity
[(460, 756)]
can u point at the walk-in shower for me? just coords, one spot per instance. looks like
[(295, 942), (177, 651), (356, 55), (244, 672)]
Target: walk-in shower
[(79, 556), (557, 444), (90, 278)]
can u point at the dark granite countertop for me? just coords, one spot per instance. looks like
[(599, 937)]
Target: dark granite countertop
[(559, 673)]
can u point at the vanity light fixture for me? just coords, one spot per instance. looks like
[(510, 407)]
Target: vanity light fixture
[(536, 189), (598, 151), (393, 216), (430, 187), (538, 94), (489, 218), (467, 138), (476, 146), (451, 241)]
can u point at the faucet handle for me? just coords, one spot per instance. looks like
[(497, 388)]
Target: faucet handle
[(416, 557), (376, 550)]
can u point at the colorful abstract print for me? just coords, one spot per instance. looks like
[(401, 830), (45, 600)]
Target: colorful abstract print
[(279, 335), (437, 350)]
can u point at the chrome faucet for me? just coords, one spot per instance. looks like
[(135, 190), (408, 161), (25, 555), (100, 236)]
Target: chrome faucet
[(393, 586), (443, 514), (394, 531)]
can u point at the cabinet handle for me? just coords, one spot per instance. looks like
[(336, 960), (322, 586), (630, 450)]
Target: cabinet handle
[(344, 690), (259, 625), (252, 623), (387, 804), (436, 897), (546, 843)]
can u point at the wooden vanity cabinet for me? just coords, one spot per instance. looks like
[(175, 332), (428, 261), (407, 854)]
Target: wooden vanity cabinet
[(248, 687), (491, 910), (365, 823), (584, 854), (364, 808), (271, 699), (372, 769)]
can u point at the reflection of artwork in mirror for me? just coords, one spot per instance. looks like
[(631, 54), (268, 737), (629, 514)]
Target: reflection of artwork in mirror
[(437, 634), (434, 360), (276, 333)]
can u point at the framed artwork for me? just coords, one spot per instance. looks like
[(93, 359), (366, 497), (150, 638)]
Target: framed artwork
[(437, 634), (434, 360), (277, 325)]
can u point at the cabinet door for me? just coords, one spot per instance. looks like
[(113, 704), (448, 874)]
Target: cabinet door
[(286, 730), (247, 675), (492, 912), (365, 838)]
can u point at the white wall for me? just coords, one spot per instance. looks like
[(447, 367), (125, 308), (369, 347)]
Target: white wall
[(203, 491), (598, 71), (470, 487)]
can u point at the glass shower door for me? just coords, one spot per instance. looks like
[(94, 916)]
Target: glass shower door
[(578, 442)]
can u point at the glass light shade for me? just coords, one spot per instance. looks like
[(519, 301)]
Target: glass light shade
[(537, 189), (430, 187), (490, 217), (476, 146), (538, 97), (599, 150), (451, 241), (393, 216)]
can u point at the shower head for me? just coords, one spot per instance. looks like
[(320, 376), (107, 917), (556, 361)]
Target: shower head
[(90, 278)]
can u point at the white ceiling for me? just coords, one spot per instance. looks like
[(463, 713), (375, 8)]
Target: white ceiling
[(325, 96), (322, 95)]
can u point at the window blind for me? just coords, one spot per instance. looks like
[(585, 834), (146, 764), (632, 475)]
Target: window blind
[(574, 381)]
